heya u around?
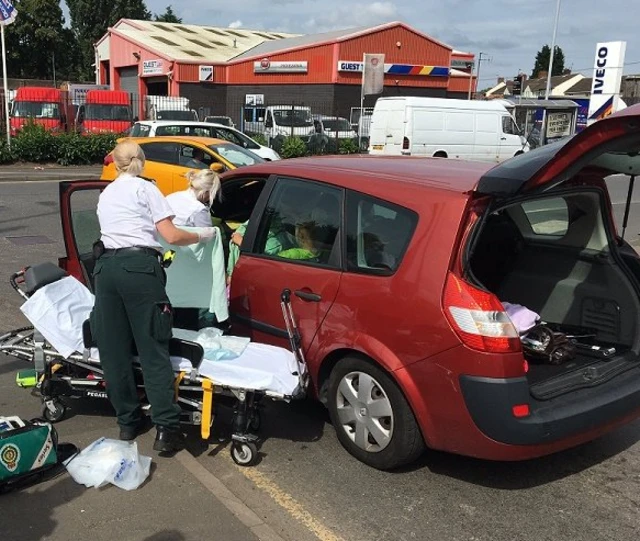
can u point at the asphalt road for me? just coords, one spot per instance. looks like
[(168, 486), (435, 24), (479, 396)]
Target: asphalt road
[(306, 483)]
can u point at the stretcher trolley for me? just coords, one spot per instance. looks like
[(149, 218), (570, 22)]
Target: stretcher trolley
[(66, 363)]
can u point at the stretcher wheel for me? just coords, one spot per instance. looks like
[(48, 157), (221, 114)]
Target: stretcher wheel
[(244, 454), (56, 414)]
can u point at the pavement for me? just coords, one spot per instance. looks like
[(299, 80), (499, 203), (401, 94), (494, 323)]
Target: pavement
[(47, 172), (306, 487)]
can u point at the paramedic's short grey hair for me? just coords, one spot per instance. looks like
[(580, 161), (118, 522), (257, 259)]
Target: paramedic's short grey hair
[(128, 158), (203, 181)]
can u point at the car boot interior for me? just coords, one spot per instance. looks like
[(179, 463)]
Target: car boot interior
[(553, 255)]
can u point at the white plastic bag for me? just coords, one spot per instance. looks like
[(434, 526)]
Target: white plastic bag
[(109, 461)]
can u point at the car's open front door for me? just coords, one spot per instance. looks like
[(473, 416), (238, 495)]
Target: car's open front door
[(80, 227)]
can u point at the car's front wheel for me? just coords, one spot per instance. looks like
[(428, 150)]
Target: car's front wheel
[(372, 418)]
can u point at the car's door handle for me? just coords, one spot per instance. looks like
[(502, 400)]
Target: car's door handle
[(503, 138), (307, 295)]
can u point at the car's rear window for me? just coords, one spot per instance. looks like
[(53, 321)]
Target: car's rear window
[(378, 234)]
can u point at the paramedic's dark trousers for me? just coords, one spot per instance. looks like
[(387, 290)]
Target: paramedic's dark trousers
[(132, 308)]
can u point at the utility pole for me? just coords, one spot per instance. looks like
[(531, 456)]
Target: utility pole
[(553, 48), (480, 59)]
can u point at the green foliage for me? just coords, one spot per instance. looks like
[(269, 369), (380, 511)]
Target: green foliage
[(37, 40), (35, 144), (168, 16), (7, 155), (348, 146), (260, 139), (542, 61), (293, 147)]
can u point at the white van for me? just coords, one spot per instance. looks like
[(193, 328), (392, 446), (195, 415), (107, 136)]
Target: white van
[(447, 128), (283, 120)]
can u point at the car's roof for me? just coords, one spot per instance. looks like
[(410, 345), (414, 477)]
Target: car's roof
[(180, 123), (180, 139), (355, 172)]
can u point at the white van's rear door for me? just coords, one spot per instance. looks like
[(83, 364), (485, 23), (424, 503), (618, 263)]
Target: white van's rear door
[(387, 127)]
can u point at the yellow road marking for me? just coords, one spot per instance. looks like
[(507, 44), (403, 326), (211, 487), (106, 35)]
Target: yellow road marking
[(288, 503)]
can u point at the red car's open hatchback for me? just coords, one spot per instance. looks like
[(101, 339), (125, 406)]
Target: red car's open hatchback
[(400, 269)]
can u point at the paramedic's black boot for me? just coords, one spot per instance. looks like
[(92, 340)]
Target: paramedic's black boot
[(130, 433), (169, 440)]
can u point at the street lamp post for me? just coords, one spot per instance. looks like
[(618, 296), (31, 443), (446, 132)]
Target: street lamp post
[(553, 47)]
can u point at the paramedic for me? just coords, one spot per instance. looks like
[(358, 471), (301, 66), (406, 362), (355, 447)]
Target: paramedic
[(132, 308), (192, 208)]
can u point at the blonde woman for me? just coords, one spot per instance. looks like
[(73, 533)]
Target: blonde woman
[(131, 305), (192, 207)]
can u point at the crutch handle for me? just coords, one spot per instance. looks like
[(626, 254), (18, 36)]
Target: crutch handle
[(285, 296)]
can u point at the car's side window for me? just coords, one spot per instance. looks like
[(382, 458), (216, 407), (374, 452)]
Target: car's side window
[(162, 152), (547, 217), (301, 223), (378, 233), (140, 130), (195, 157), (238, 199), (170, 130), (229, 136)]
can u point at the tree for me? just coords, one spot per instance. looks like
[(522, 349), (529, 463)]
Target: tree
[(542, 61), (90, 20), (168, 16), (37, 41)]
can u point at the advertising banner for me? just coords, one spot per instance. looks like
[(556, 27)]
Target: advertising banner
[(373, 74), (607, 77)]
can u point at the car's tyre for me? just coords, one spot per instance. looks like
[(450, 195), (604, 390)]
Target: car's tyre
[(372, 418)]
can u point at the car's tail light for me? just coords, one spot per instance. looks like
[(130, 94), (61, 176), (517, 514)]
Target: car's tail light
[(405, 143), (108, 160), (478, 318)]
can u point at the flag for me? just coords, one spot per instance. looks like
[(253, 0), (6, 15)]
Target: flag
[(373, 74), (7, 12)]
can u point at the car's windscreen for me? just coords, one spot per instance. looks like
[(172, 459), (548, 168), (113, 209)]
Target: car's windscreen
[(35, 109), (340, 124), (107, 112), (236, 137), (236, 155), (140, 130), (296, 118)]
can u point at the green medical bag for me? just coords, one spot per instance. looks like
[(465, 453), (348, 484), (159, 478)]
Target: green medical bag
[(26, 448)]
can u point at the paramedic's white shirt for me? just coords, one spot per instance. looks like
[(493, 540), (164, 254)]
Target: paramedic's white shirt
[(128, 210), (188, 210)]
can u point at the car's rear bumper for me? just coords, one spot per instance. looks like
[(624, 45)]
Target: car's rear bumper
[(473, 415), (490, 402)]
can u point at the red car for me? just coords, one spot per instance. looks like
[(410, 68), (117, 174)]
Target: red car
[(400, 268)]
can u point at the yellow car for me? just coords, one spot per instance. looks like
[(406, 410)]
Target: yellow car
[(168, 159)]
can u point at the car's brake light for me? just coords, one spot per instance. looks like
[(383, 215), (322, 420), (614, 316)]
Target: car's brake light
[(405, 143), (478, 318), (108, 160)]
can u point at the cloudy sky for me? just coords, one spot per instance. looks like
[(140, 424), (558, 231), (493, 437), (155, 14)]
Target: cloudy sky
[(510, 32)]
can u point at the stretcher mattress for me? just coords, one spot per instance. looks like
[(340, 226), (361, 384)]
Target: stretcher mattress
[(58, 311)]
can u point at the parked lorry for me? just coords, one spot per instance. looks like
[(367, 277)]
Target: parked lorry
[(168, 108), (44, 106), (105, 111), (447, 128)]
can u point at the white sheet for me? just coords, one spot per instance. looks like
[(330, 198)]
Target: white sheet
[(58, 311)]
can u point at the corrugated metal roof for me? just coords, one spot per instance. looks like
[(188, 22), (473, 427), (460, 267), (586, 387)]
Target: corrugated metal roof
[(269, 47), (188, 42)]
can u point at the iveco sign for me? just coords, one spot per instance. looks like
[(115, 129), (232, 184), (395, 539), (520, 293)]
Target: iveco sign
[(607, 76), (267, 66)]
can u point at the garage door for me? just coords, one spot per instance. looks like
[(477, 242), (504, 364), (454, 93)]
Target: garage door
[(129, 79)]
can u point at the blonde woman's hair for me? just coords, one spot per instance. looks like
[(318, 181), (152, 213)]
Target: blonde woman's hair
[(202, 181), (128, 158)]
